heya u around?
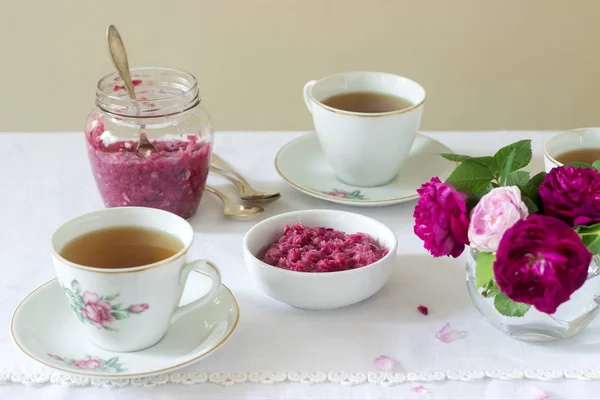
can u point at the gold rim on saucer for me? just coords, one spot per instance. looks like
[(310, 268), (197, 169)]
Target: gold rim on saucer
[(339, 199), (123, 376)]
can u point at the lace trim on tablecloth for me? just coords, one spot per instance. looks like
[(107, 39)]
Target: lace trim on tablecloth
[(307, 378)]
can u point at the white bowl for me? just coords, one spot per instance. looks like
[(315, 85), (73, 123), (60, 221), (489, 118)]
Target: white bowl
[(582, 138), (319, 290)]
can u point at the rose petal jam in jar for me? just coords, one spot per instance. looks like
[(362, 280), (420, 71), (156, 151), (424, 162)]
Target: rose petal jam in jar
[(169, 112)]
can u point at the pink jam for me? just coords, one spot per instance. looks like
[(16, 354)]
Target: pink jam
[(171, 179), (317, 249)]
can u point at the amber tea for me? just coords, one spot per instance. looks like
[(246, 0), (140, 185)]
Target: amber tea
[(367, 102), (121, 247), (580, 155)]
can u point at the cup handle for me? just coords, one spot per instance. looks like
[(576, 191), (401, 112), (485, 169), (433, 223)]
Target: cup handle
[(213, 273), (306, 93)]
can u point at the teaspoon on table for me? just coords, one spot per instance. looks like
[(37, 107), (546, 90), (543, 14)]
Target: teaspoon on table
[(232, 209), (247, 192), (119, 59)]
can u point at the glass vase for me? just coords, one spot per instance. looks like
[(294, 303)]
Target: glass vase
[(569, 319)]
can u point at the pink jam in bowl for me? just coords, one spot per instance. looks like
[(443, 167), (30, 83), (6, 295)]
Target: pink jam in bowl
[(316, 249), (171, 179)]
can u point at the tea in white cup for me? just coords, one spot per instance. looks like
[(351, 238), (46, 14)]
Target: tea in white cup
[(366, 123), (123, 271), (577, 145)]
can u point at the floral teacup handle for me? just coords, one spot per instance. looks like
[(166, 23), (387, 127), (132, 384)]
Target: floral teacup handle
[(208, 269)]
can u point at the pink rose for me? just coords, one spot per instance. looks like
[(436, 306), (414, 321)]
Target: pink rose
[(96, 311), (89, 363), (338, 193), (138, 308), (495, 213)]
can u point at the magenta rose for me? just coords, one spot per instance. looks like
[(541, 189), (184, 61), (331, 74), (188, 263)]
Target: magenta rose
[(90, 363), (497, 211), (572, 195), (96, 311), (441, 218), (541, 261), (138, 308)]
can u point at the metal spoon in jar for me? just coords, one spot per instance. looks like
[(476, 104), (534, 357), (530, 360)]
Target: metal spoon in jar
[(232, 209), (119, 59), (247, 192)]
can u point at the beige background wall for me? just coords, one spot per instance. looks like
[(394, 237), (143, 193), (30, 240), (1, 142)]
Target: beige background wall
[(509, 64)]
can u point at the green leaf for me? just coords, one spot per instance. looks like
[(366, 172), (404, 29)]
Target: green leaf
[(75, 286), (517, 178), (112, 297), (470, 177), (537, 179), (486, 190), (108, 328), (490, 289), (111, 361), (531, 206), (78, 302), (69, 294), (506, 167), (590, 236), (484, 269), (578, 164), (596, 165), (522, 156), (118, 315), (455, 157), (487, 161), (509, 308), (117, 306)]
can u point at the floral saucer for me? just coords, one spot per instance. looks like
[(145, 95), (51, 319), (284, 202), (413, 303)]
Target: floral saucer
[(45, 329), (303, 165)]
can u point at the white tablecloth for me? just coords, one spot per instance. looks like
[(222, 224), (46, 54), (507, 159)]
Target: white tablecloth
[(45, 179)]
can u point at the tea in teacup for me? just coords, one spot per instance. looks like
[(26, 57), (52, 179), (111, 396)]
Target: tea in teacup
[(123, 271), (578, 145), (367, 102), (121, 247), (588, 156), (366, 123)]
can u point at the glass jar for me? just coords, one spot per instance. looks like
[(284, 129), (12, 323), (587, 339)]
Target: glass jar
[(569, 319), (168, 110)]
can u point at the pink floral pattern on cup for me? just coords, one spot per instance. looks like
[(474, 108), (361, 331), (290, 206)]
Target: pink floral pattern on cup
[(99, 310), (343, 194), (92, 363)]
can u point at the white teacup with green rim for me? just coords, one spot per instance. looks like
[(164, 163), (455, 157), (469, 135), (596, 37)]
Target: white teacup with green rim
[(574, 140), (365, 148), (129, 309)]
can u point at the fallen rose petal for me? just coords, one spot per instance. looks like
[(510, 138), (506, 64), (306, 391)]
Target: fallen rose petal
[(532, 393), (448, 334), (423, 309), (419, 389), (384, 363)]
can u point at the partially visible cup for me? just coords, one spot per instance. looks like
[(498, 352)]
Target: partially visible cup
[(575, 139), (365, 148), (129, 309)]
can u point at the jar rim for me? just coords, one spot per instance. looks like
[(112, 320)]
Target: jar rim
[(182, 93)]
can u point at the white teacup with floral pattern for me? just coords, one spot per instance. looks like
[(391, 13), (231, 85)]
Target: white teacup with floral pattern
[(129, 309)]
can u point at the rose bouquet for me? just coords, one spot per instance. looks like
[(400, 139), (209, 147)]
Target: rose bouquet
[(533, 237)]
